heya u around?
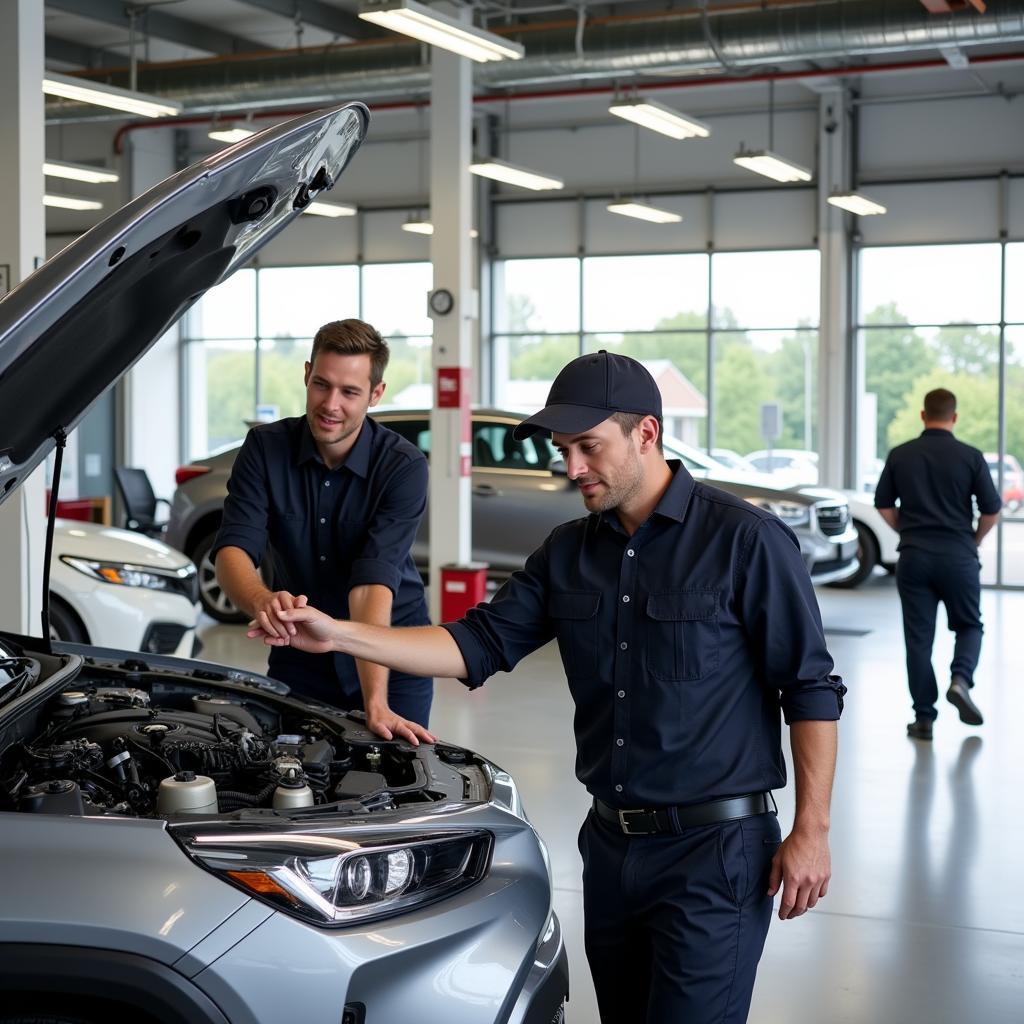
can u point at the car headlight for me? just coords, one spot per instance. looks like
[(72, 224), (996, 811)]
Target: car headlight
[(792, 513), (175, 581), (331, 881)]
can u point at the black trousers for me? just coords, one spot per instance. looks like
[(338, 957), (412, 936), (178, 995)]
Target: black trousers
[(675, 925), (923, 580), (408, 696)]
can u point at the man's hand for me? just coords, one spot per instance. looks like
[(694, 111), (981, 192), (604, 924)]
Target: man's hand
[(301, 627), (802, 867), (384, 722), (267, 613)]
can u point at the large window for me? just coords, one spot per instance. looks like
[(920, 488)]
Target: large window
[(247, 340), (929, 317), (752, 316)]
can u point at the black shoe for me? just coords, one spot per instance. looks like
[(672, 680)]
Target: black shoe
[(959, 695), (920, 729)]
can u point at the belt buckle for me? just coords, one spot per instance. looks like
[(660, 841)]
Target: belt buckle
[(624, 823)]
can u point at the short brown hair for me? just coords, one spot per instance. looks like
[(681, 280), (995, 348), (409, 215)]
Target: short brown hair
[(939, 405), (629, 421), (353, 338)]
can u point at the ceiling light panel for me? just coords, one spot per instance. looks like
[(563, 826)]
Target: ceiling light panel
[(510, 174), (659, 118), (231, 133), (71, 202), (429, 26), (771, 165), (321, 209), (79, 172), (84, 91), (855, 202), (640, 210)]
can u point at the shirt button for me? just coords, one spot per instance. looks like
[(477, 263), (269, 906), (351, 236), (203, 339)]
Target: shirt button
[(327, 483), (322, 520), (323, 558), (625, 598), (619, 743), (630, 552), (618, 789), (622, 693)]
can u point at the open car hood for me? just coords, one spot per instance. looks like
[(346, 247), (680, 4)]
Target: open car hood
[(73, 329)]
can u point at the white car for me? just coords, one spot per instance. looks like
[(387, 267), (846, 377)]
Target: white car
[(876, 539), (114, 588), (791, 467)]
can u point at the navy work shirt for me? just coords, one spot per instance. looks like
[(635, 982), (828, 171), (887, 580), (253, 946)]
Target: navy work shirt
[(934, 477), (680, 645), (330, 529)]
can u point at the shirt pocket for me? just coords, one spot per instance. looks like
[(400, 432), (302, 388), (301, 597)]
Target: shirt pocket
[(682, 634), (574, 614)]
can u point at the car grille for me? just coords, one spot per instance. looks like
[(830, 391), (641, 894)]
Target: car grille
[(833, 519)]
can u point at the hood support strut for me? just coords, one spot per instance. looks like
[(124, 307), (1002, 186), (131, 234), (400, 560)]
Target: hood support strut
[(61, 438)]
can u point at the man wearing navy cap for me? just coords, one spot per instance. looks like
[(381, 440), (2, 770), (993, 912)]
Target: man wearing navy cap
[(686, 623)]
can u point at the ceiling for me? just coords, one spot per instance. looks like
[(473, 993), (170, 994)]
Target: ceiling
[(219, 56)]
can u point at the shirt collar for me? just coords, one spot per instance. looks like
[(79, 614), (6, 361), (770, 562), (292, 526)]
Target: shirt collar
[(936, 432), (673, 502), (358, 459)]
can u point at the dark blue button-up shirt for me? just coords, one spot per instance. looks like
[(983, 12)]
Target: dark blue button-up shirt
[(934, 478), (330, 529), (681, 644)]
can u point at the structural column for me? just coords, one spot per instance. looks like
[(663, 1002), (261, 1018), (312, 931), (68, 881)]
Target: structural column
[(836, 412), (450, 253), (22, 249)]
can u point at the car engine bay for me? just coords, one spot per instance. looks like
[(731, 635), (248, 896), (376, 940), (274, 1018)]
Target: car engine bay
[(132, 739)]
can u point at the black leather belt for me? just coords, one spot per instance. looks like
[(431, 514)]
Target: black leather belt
[(649, 821)]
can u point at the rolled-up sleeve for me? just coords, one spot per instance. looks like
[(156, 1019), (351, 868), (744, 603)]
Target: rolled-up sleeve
[(885, 490), (246, 508), (989, 502), (496, 636), (392, 529), (781, 616)]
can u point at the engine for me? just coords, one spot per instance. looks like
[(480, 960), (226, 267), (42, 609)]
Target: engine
[(110, 750)]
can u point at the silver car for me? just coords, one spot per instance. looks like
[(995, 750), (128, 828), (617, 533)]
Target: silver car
[(520, 493), (186, 844)]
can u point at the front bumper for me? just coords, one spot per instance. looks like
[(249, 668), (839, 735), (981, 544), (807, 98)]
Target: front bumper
[(830, 559)]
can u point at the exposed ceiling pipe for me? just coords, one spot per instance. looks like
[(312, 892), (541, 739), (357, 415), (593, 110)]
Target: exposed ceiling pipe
[(614, 49), (583, 92)]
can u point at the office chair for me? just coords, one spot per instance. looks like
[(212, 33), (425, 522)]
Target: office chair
[(139, 500)]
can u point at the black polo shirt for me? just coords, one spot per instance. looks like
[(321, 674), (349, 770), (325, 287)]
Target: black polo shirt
[(330, 529), (681, 644), (935, 479)]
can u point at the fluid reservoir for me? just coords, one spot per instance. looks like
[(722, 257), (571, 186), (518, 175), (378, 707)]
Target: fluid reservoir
[(187, 793), (292, 791)]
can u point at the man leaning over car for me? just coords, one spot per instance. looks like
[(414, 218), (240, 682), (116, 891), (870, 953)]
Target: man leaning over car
[(686, 621), (339, 498)]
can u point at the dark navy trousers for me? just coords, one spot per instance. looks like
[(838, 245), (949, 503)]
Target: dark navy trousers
[(674, 925), (408, 696), (924, 579)]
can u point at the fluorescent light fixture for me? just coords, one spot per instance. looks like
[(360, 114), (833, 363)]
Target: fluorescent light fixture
[(425, 227), (79, 172), (659, 118), (764, 161), (231, 133), (71, 202), (500, 170), (100, 95), (644, 211), (319, 209), (429, 26), (856, 203)]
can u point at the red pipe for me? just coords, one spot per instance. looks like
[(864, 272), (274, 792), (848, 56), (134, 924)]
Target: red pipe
[(597, 90)]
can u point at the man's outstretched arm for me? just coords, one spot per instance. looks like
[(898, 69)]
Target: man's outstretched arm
[(417, 650)]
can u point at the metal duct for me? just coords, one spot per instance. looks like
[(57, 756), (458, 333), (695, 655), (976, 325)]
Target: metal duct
[(611, 49)]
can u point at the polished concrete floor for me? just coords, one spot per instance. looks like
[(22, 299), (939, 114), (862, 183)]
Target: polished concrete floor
[(924, 921)]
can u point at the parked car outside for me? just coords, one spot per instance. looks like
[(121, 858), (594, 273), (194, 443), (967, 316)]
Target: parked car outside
[(184, 842), (876, 539), (791, 467), (115, 588), (730, 459), (1013, 480), (520, 493)]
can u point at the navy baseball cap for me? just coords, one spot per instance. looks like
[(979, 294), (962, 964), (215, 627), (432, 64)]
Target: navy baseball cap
[(589, 390)]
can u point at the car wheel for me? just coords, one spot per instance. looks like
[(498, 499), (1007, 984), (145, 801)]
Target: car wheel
[(65, 624), (867, 552), (215, 602)]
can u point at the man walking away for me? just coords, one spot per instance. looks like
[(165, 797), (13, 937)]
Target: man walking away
[(935, 479)]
